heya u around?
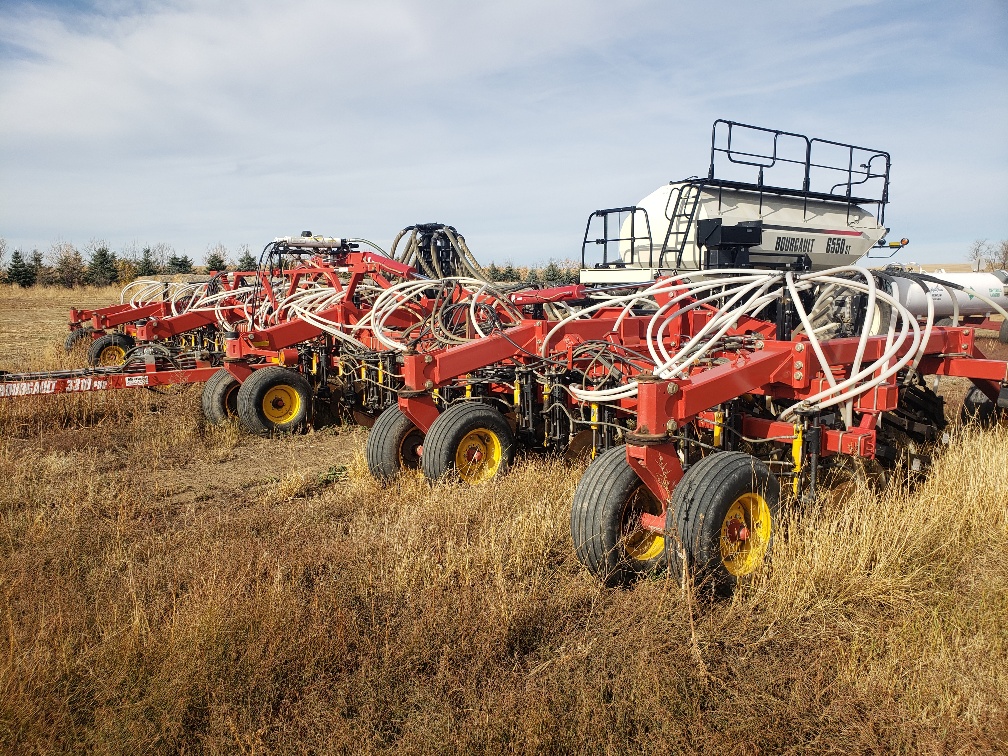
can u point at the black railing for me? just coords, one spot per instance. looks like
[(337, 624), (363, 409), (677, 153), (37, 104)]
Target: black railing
[(821, 178), (612, 234)]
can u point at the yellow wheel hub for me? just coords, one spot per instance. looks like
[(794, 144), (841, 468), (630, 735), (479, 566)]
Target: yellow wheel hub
[(111, 355), (641, 545), (281, 404), (479, 456), (745, 534), (409, 450)]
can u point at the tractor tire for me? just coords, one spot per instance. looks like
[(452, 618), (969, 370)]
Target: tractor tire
[(724, 510), (944, 323), (607, 504), (76, 338), (274, 399), (393, 445), (1003, 333), (978, 410), (109, 350), (471, 439), (220, 397)]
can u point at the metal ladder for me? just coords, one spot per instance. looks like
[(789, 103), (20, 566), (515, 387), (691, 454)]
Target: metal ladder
[(683, 200)]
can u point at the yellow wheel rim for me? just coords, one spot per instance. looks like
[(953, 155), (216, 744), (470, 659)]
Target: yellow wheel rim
[(641, 545), (479, 456), (111, 355), (281, 404), (231, 401), (745, 534)]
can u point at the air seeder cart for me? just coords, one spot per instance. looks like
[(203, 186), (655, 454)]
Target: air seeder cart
[(702, 391)]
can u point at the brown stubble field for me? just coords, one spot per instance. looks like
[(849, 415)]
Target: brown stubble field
[(173, 588)]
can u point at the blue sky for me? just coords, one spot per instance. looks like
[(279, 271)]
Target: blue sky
[(235, 121)]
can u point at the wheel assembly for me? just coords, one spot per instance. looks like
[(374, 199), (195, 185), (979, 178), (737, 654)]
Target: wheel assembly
[(110, 349), (393, 445), (606, 526), (220, 397), (274, 399), (76, 339), (471, 439), (724, 511)]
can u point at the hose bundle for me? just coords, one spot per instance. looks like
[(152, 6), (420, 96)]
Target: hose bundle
[(734, 294), (438, 251)]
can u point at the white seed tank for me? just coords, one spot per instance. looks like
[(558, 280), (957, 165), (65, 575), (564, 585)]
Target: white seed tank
[(829, 233), (810, 195)]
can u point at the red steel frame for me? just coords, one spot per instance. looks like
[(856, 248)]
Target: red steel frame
[(780, 369), (149, 377)]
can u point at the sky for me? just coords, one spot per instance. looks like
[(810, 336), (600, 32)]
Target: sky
[(203, 122)]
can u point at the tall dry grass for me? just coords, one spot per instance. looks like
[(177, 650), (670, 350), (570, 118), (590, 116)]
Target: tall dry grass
[(172, 589)]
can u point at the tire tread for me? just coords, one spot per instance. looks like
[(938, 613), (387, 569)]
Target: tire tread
[(250, 397), (439, 453)]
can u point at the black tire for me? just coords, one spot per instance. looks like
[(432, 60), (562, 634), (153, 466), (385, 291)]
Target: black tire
[(1003, 332), (76, 338), (944, 323), (393, 445), (110, 349), (220, 397), (274, 399), (977, 409), (608, 501), (471, 439), (726, 501)]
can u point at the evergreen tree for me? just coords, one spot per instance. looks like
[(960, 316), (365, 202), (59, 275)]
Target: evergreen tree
[(19, 272), (493, 272), (41, 272), (179, 264), (102, 269), (551, 274), (509, 273), (215, 260), (148, 265), (246, 261)]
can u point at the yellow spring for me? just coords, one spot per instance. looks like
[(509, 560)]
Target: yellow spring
[(796, 457)]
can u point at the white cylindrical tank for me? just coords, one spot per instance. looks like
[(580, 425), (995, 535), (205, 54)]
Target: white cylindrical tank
[(991, 285), (831, 233)]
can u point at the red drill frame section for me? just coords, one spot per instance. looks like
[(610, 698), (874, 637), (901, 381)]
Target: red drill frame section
[(789, 370), (40, 384)]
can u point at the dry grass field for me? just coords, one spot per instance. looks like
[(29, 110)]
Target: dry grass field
[(172, 588)]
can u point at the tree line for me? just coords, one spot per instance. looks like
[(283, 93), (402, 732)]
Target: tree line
[(552, 274), (65, 265)]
